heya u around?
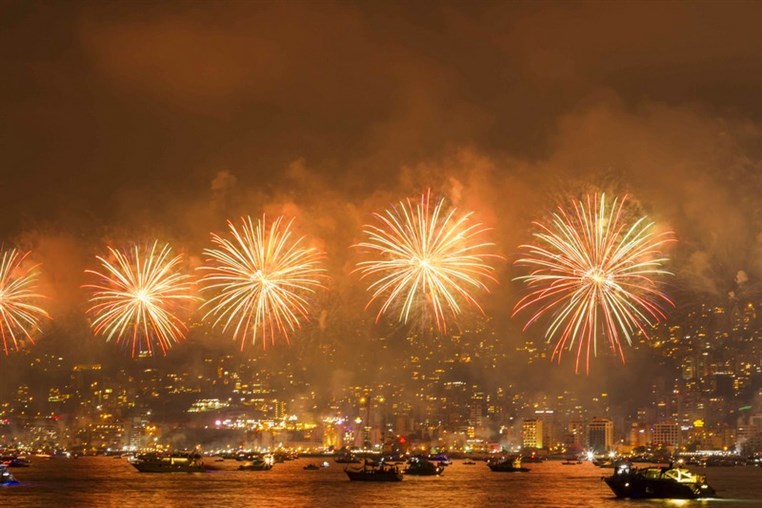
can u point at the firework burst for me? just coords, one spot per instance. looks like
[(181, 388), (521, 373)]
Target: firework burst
[(20, 316), (137, 298), (260, 280), (594, 272), (425, 258)]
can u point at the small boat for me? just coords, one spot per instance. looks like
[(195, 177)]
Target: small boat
[(6, 478), (15, 461), (440, 458), (241, 462), (657, 483), (371, 472), (507, 465), (168, 463), (421, 466), (256, 465), (469, 463), (311, 467)]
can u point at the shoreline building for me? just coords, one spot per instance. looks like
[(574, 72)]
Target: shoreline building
[(600, 434), (531, 433)]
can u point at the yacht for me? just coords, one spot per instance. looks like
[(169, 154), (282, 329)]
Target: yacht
[(657, 483), (168, 463)]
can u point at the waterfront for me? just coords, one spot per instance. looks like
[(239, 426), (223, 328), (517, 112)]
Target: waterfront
[(104, 481)]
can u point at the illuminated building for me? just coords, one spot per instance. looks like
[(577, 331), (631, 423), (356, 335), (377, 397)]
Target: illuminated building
[(666, 434), (531, 433)]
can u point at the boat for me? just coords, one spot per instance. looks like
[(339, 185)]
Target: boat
[(15, 461), (241, 462), (372, 472), (422, 466), (6, 478), (311, 467), (507, 465), (657, 483), (440, 458), (168, 463), (256, 465)]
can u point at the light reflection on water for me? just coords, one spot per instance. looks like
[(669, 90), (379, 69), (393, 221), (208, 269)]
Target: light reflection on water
[(102, 481)]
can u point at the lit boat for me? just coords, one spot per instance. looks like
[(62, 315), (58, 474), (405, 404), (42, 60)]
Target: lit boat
[(258, 463), (240, 462), (6, 478), (371, 472), (507, 465), (421, 466), (168, 463), (657, 483)]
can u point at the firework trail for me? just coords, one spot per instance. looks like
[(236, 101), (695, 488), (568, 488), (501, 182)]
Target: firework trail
[(594, 272), (260, 279), (425, 257), (137, 298), (20, 315)]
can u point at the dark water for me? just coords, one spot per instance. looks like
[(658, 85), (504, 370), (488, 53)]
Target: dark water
[(103, 481)]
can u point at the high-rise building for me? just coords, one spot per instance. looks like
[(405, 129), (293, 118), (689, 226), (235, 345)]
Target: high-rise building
[(666, 434), (600, 434), (531, 433), (640, 434)]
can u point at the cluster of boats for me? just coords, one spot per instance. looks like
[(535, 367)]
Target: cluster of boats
[(627, 481), (388, 468), (8, 461)]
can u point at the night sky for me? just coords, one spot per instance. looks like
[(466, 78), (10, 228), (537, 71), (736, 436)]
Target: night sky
[(134, 120)]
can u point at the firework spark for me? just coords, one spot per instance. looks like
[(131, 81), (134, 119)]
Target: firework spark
[(260, 280), (20, 316), (594, 272), (427, 258), (138, 296)]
